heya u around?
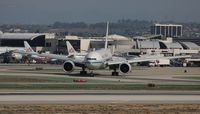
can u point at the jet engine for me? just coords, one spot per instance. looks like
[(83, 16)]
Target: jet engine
[(68, 66), (17, 56), (124, 67)]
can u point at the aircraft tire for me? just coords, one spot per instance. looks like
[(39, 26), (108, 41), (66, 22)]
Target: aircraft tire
[(115, 73), (83, 73)]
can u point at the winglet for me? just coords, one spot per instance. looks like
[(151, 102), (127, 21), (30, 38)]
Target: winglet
[(28, 48), (70, 49), (106, 42)]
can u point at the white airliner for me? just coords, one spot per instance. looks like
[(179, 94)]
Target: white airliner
[(28, 51), (101, 59), (11, 50), (34, 55)]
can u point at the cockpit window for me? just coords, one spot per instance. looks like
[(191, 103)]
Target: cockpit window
[(91, 59)]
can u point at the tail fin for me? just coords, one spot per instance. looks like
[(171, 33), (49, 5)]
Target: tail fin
[(28, 48), (70, 49), (106, 42)]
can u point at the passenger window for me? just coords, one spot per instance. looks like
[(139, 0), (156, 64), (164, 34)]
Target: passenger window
[(91, 58)]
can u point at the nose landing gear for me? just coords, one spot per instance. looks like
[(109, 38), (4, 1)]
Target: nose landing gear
[(83, 72), (91, 74), (115, 73)]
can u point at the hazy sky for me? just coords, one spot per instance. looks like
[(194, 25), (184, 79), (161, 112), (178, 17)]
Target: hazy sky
[(90, 11)]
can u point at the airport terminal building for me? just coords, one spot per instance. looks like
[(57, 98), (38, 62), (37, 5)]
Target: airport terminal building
[(167, 30), (117, 43)]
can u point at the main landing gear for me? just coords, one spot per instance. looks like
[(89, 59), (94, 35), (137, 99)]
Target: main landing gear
[(115, 73), (91, 74)]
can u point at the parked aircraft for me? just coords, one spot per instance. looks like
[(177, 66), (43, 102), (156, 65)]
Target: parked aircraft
[(9, 49), (31, 54), (8, 52)]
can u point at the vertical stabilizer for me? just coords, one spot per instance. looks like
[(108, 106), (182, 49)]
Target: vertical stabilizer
[(70, 49), (28, 48), (106, 42)]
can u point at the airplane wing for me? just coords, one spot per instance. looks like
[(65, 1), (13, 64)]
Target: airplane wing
[(143, 59), (178, 57), (79, 61), (54, 56)]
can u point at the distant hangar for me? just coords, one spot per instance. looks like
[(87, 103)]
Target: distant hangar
[(16, 39), (166, 45)]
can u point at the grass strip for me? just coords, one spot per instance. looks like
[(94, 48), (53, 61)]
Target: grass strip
[(99, 87), (191, 77)]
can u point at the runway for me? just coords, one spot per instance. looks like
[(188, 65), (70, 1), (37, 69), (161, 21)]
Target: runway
[(53, 74), (92, 96)]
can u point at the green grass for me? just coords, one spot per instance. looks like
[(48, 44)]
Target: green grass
[(191, 77), (85, 86)]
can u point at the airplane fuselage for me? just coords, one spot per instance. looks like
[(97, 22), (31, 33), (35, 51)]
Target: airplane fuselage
[(96, 59)]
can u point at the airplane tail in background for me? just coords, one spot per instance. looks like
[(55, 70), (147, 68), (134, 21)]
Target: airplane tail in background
[(28, 48), (70, 49), (106, 42)]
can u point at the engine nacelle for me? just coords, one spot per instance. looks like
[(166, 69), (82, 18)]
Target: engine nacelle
[(68, 66), (124, 67)]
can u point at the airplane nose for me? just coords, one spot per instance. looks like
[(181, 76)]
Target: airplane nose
[(89, 64), (92, 65)]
